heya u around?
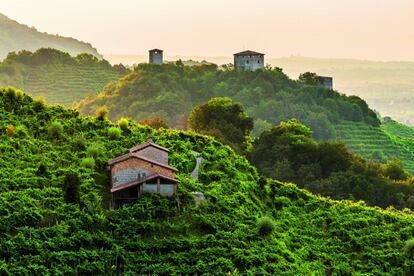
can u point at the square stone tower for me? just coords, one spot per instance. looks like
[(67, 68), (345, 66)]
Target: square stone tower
[(248, 61), (156, 56)]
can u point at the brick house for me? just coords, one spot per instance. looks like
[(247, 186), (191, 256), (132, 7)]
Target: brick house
[(144, 169)]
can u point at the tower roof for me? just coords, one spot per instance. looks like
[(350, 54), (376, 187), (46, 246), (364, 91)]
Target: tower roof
[(155, 50), (249, 53)]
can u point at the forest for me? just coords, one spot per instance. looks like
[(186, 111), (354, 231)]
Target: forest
[(172, 90), (54, 206)]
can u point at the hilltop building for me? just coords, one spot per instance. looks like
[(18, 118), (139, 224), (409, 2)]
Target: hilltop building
[(326, 82), (144, 169), (248, 61), (156, 56)]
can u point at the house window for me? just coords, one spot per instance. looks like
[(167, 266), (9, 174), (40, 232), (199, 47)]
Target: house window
[(247, 62), (258, 61)]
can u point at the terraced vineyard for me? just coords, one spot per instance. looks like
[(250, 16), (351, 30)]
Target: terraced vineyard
[(380, 143), (64, 84)]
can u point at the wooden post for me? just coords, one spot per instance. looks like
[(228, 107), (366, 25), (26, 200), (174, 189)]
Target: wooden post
[(158, 185)]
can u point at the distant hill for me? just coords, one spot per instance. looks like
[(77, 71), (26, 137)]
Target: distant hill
[(15, 37), (246, 225), (57, 76), (386, 86)]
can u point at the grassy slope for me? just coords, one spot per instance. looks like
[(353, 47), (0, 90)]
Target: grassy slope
[(42, 234), (15, 37), (65, 84), (390, 140), (61, 83)]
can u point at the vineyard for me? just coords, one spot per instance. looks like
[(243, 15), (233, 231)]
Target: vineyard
[(247, 225), (389, 140), (65, 84)]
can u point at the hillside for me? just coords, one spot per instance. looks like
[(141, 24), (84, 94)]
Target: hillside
[(57, 76), (16, 37), (41, 234), (269, 96), (390, 140)]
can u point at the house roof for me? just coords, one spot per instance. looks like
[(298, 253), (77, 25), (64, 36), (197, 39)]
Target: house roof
[(249, 53), (156, 50), (135, 155), (138, 182), (149, 143)]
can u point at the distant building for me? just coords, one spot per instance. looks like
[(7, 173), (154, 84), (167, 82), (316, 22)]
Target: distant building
[(144, 169), (156, 56), (248, 61), (326, 82)]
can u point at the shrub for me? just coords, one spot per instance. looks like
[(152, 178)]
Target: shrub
[(79, 143), (71, 187), (101, 113), (42, 170), (21, 131), (11, 130), (55, 130), (409, 247), (94, 151), (123, 124), (88, 163), (114, 133), (265, 226), (39, 103)]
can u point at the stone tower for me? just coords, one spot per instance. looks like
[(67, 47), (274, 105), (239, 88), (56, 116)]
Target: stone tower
[(156, 56), (248, 61)]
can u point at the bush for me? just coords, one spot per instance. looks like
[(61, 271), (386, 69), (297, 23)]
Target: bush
[(101, 113), (55, 130), (409, 247), (79, 143), (71, 187), (88, 163), (21, 131), (265, 226), (94, 151), (39, 103), (11, 130), (114, 133), (123, 124)]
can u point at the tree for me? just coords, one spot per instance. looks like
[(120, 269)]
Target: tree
[(71, 187), (224, 120), (309, 78), (156, 122)]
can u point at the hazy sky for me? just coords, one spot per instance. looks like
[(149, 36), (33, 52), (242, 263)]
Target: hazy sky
[(364, 29)]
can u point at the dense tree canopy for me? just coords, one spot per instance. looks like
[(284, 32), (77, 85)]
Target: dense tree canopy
[(289, 153), (269, 96), (224, 120)]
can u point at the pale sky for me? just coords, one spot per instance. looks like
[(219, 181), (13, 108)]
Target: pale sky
[(362, 29)]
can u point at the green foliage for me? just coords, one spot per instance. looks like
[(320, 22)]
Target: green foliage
[(42, 234), (173, 91), (309, 78), (55, 130), (409, 248), (42, 170), (71, 187), (88, 162), (94, 150), (123, 124), (101, 113), (265, 226), (224, 120), (57, 76), (289, 153), (114, 133), (394, 169)]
